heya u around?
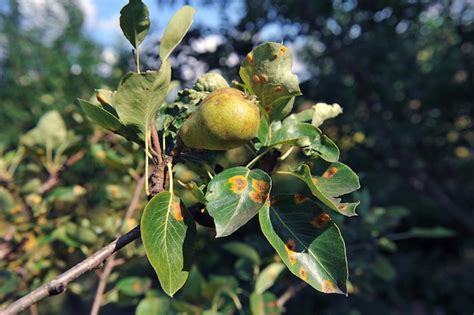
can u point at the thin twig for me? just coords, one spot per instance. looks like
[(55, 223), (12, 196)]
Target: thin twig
[(112, 262), (156, 143), (289, 294), (60, 283)]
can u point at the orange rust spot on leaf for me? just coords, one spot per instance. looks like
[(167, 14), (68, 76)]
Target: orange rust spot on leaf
[(264, 78), (314, 180), (274, 56), (137, 286), (272, 200), (342, 208), (260, 185), (176, 211), (330, 172), (249, 58), (258, 197), (283, 50), (299, 199), (267, 108), (290, 247), (256, 79), (321, 220), (303, 274), (238, 184), (328, 287), (278, 88)]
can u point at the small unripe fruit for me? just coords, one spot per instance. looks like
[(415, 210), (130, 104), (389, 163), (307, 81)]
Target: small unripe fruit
[(210, 82), (226, 119)]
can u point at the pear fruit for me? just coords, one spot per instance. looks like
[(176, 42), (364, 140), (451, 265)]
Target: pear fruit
[(227, 118)]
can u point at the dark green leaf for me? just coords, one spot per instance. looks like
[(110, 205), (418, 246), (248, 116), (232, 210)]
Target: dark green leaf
[(176, 30), (135, 22), (235, 196), (167, 230), (308, 242), (105, 116)]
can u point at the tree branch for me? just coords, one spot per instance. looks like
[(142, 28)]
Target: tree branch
[(289, 294), (60, 283), (112, 262)]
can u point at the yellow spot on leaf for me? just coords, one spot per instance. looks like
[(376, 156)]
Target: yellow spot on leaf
[(314, 180), (342, 208), (299, 199), (238, 184), (290, 247), (249, 58), (321, 220), (303, 274), (176, 211), (328, 287), (256, 79), (330, 172)]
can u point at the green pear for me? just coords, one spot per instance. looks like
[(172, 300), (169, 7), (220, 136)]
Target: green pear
[(226, 119)]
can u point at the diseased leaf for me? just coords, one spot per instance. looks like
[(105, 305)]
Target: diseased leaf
[(267, 73), (268, 276), (308, 242), (235, 196), (329, 182), (140, 95), (167, 231), (135, 22), (306, 136), (264, 304), (243, 250), (176, 30)]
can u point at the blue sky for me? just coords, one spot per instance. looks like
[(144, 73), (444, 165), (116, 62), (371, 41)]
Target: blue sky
[(102, 17)]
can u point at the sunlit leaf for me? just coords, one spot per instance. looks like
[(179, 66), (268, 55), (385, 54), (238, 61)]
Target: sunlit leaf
[(267, 73), (268, 276), (235, 196), (167, 231), (50, 132), (307, 240), (135, 22), (153, 305), (264, 304), (176, 30), (140, 95), (306, 136)]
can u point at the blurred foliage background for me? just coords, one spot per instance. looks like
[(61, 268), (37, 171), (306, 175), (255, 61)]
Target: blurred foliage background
[(402, 71)]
